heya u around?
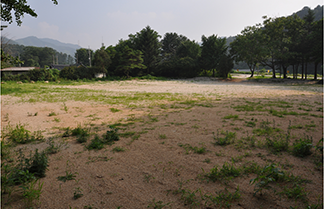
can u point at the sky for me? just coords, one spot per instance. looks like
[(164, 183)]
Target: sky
[(91, 23)]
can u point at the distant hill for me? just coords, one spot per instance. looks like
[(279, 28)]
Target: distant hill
[(47, 42), (318, 12)]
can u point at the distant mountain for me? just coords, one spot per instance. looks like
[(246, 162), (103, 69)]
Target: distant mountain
[(318, 12), (47, 42)]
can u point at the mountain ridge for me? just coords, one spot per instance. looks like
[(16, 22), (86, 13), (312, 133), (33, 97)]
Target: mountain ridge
[(47, 42)]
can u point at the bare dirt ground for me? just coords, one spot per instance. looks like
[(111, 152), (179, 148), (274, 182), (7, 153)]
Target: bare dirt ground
[(154, 165)]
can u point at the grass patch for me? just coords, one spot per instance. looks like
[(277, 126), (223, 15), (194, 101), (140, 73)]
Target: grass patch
[(197, 150), (114, 110), (223, 141)]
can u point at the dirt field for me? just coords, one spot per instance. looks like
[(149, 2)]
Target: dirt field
[(170, 143)]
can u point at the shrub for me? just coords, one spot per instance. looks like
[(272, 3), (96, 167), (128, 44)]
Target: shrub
[(96, 143), (111, 136), (302, 147)]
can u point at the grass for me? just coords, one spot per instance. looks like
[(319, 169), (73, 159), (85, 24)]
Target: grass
[(197, 150), (20, 135), (302, 147), (223, 141), (54, 93), (118, 149), (114, 110), (68, 176), (226, 172), (230, 116)]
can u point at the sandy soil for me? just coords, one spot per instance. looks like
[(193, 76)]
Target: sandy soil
[(153, 164)]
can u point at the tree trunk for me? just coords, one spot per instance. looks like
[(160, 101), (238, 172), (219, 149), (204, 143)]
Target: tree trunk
[(302, 68), (273, 72), (306, 70), (315, 71), (213, 72)]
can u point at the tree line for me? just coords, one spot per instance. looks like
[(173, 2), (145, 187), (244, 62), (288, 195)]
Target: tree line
[(31, 56), (173, 56), (284, 44)]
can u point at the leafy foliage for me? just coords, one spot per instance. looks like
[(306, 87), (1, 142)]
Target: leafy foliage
[(302, 147)]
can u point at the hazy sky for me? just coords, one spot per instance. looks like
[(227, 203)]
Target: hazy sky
[(91, 22)]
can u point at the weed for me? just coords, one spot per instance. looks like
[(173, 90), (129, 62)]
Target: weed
[(207, 160), (270, 173), (57, 120), (68, 176), (111, 136), (96, 143), (98, 158), (223, 141), (302, 147), (127, 134), (77, 193), (222, 199), (82, 134), (31, 193), (162, 136), (52, 114), (118, 149), (65, 108), (188, 147), (20, 135), (278, 143), (266, 130), (148, 177), (114, 110), (296, 192), (53, 148), (158, 204), (230, 116), (250, 124), (227, 172)]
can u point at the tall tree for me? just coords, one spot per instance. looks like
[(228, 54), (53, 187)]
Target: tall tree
[(171, 42), (83, 56), (147, 41), (130, 59), (101, 60), (213, 48), (317, 45), (247, 48), (309, 19)]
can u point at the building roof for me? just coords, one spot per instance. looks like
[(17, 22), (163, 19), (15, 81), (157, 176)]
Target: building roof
[(13, 69)]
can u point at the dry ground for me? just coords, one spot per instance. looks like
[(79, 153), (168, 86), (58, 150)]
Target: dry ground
[(153, 165)]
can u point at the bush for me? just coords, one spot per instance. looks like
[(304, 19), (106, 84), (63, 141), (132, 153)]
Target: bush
[(302, 147), (76, 73), (43, 74)]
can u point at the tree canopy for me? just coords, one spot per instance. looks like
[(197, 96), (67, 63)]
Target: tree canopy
[(19, 8)]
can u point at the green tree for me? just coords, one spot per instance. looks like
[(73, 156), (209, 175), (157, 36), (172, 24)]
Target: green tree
[(170, 43), (213, 48), (317, 45), (101, 60), (82, 56), (188, 49), (225, 65), (247, 48), (147, 41), (130, 59), (18, 8)]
